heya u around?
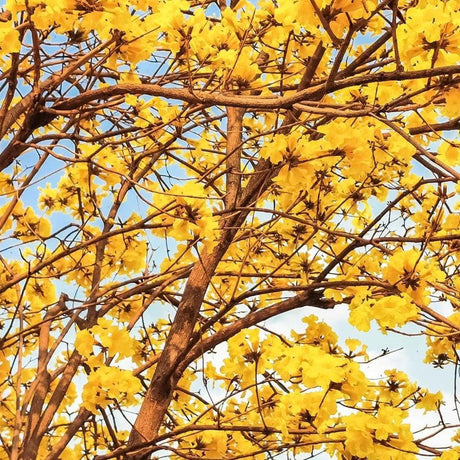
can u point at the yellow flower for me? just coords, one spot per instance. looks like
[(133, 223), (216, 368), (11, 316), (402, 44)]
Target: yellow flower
[(118, 341), (411, 273), (108, 384), (430, 401), (394, 310)]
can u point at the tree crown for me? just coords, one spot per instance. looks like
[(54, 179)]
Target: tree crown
[(176, 174)]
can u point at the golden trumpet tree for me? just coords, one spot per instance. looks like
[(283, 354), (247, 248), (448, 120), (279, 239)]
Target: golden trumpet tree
[(175, 174)]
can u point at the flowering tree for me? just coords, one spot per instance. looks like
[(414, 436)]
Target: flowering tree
[(176, 173)]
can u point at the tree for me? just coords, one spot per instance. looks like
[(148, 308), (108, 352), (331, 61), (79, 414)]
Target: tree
[(177, 173)]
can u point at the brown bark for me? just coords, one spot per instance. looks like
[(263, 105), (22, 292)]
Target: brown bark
[(233, 163), (165, 378)]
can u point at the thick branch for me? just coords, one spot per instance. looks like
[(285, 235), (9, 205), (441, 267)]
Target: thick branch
[(453, 124), (244, 101), (233, 161), (165, 378)]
